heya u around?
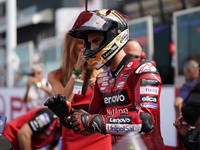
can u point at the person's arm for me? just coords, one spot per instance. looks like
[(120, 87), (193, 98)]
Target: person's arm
[(182, 97), (57, 86), (26, 97), (24, 137), (34, 126), (68, 89), (56, 81), (178, 105)]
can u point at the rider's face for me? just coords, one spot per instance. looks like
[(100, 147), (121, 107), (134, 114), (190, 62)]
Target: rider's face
[(95, 39)]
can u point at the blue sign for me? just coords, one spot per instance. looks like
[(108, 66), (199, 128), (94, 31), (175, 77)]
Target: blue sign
[(2, 123)]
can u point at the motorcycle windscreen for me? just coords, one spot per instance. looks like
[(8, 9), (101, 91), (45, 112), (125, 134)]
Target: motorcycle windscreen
[(130, 141)]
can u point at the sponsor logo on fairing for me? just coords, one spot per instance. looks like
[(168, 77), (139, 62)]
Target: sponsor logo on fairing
[(112, 111), (152, 82), (122, 128), (148, 98), (130, 64), (104, 84), (110, 51), (103, 88), (99, 80), (47, 117), (116, 98), (149, 90), (113, 99), (103, 74), (120, 120), (120, 84), (105, 78), (149, 105), (33, 126), (111, 81), (36, 123), (41, 120)]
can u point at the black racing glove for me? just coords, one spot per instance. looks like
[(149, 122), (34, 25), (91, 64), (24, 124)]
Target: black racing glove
[(82, 121), (60, 105)]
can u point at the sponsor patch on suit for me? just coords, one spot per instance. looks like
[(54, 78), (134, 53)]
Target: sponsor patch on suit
[(152, 82)]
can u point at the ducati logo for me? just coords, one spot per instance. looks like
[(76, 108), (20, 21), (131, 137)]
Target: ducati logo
[(124, 37), (147, 67)]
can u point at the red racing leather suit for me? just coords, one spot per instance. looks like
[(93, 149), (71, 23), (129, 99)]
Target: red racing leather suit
[(42, 122), (126, 96)]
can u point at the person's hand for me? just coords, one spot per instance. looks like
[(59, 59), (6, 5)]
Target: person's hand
[(80, 62), (32, 80), (92, 83), (82, 121), (181, 125), (60, 105)]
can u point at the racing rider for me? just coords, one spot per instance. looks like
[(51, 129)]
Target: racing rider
[(126, 95)]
